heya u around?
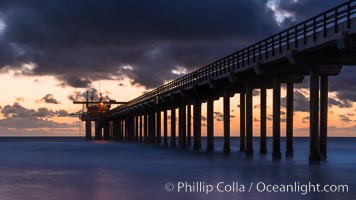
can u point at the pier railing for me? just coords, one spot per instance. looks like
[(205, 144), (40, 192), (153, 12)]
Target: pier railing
[(278, 43)]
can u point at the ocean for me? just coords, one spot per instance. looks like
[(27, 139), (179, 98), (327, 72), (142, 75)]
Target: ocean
[(58, 168)]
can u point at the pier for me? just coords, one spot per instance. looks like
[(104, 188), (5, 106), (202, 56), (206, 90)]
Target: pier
[(317, 47)]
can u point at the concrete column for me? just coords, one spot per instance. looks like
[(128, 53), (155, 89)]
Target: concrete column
[(165, 128), (173, 127), (249, 121), (289, 128), (158, 126), (98, 131), (314, 114), (179, 127), (152, 129), (276, 151), (197, 124), (122, 129), (323, 116), (141, 126), (182, 125), (88, 130), (136, 129), (127, 129), (226, 115), (263, 121), (189, 125), (145, 133), (242, 121), (210, 124), (119, 129), (115, 129)]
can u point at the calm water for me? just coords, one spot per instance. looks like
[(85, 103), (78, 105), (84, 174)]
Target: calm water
[(70, 168)]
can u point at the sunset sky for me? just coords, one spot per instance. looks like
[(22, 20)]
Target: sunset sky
[(52, 52)]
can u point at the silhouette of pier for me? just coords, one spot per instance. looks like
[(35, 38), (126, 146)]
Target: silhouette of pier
[(317, 47)]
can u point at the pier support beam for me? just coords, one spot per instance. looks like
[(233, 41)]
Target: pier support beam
[(323, 116), (123, 130), (98, 130), (136, 129), (106, 130), (152, 129), (158, 126), (242, 121), (314, 154), (88, 130), (145, 133), (263, 121), (179, 127), (182, 126), (226, 115), (276, 152), (119, 129), (289, 125), (115, 129), (249, 121), (210, 125), (197, 124), (141, 126), (173, 127), (127, 129), (165, 128), (189, 125)]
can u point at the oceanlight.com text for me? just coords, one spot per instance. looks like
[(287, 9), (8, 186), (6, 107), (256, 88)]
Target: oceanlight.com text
[(260, 187)]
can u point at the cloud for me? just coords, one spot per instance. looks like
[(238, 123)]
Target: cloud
[(30, 123), (344, 85), (301, 102), (257, 106), (219, 116), (79, 45), (255, 93), (18, 111), (345, 118), (305, 120), (290, 11), (92, 93), (20, 99), (49, 98), (339, 103), (19, 117)]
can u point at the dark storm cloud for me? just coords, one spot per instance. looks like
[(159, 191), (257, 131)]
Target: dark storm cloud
[(304, 9), (49, 98), (344, 84), (82, 41)]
